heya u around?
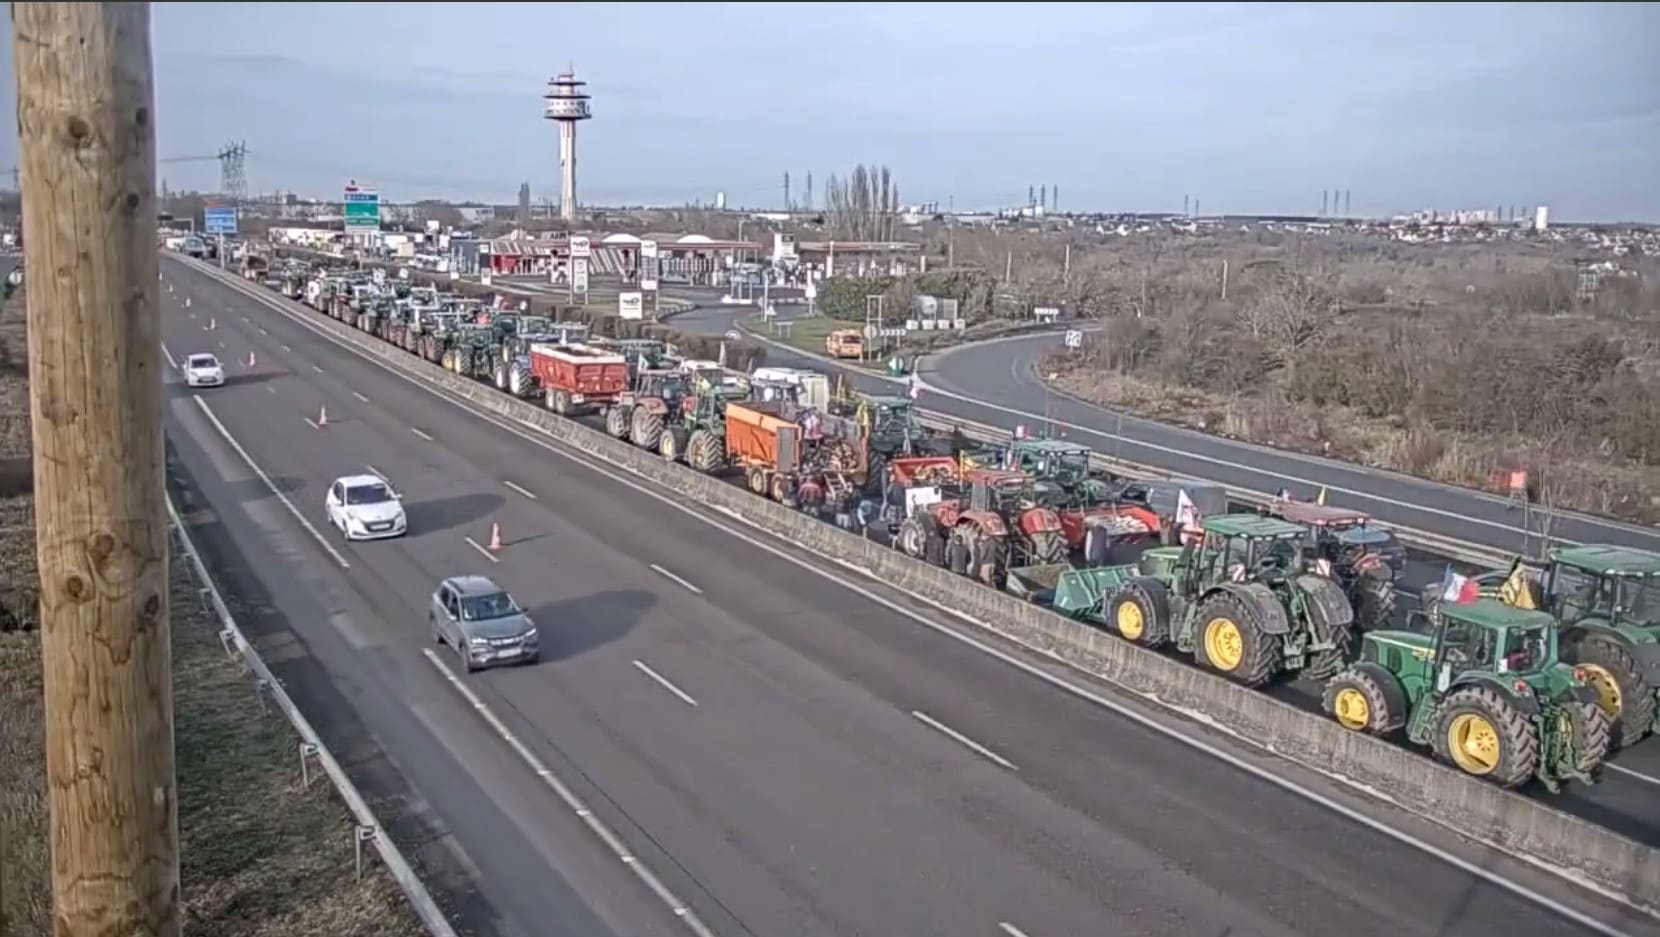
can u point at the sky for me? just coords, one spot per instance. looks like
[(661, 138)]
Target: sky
[(1247, 108)]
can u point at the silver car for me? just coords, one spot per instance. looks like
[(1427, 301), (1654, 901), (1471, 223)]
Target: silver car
[(482, 622)]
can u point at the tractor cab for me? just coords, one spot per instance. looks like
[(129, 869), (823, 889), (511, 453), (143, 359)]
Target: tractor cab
[(1484, 688), (1616, 584), (1365, 559), (1242, 547)]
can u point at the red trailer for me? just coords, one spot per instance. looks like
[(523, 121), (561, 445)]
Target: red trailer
[(578, 378)]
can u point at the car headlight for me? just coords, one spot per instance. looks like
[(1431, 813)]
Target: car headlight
[(477, 642), (530, 636)]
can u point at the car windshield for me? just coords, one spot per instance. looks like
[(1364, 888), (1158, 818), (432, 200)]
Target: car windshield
[(486, 607), (368, 494), (203, 361)]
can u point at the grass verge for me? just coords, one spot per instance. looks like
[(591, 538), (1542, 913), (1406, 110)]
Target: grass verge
[(262, 855)]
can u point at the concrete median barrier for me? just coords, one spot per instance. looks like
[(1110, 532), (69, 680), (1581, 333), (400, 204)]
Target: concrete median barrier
[(1553, 839)]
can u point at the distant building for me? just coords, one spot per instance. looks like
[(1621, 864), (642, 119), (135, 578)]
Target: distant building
[(1541, 217)]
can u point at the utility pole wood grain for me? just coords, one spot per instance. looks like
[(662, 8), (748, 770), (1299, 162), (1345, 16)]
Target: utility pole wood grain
[(86, 115)]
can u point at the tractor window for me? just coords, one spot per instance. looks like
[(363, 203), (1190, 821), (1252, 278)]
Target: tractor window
[(1573, 593), (1455, 644), (1524, 650), (1637, 599)]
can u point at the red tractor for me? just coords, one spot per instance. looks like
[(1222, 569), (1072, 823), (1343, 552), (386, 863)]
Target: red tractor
[(1000, 524)]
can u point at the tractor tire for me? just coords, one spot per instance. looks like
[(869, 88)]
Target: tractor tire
[(647, 428), (1231, 641), (1627, 697), (783, 489), (1374, 603), (756, 478), (672, 447), (500, 376), (1593, 735), (1478, 732), (1365, 698), (1140, 612), (876, 471), (518, 381), (1047, 546), (559, 402), (616, 421), (703, 452), (912, 538)]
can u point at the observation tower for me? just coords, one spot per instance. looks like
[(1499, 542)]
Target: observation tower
[(567, 104)]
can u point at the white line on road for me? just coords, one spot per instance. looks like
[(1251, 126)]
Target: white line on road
[(672, 576), (664, 682), (817, 567), (263, 332), (378, 474), (270, 389), (191, 314), (317, 369), (529, 494), (171, 361), (1634, 774), (595, 825), (221, 344), (487, 554), (417, 431), (286, 348), (1010, 929), (247, 320), (311, 422), (360, 396), (953, 733), (304, 522)]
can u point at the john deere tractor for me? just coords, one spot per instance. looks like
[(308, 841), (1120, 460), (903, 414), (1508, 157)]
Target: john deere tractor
[(1245, 602), (1484, 689), (1607, 601)]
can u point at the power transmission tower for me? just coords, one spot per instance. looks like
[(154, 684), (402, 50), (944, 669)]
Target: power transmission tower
[(85, 97), (233, 176)]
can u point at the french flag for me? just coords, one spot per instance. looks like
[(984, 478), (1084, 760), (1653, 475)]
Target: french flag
[(1458, 589)]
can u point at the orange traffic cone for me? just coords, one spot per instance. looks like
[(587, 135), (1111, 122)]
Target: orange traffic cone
[(252, 361), (323, 415), (495, 538)]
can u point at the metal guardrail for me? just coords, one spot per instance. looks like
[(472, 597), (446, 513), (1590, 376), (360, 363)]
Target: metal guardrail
[(368, 829)]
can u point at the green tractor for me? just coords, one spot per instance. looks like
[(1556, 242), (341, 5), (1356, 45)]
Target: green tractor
[(1607, 599), (697, 433), (1245, 602), (1484, 689)]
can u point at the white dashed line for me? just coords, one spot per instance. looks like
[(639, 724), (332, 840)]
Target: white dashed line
[(1634, 774), (664, 682), (316, 535), (263, 332), (171, 361), (417, 431), (221, 344), (360, 396), (933, 723), (596, 826), (487, 554), (529, 494), (689, 587), (311, 423), (1010, 929), (317, 369), (247, 320), (286, 348)]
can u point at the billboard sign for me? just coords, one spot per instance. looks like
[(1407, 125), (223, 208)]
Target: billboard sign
[(648, 249), (579, 276), (631, 305), (580, 248), (361, 206), (219, 219)]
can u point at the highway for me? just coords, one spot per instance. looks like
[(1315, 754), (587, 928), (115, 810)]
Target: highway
[(785, 754)]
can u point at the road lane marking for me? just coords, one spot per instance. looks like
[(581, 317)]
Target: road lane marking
[(360, 396), (263, 332), (317, 369), (270, 389), (247, 320), (664, 682), (286, 348), (937, 725), (221, 344), (595, 825), (689, 587), (311, 423), (529, 494), (417, 431), (171, 361), (1179, 734), (1010, 929), (378, 474), (304, 521), (1634, 774), (487, 554)]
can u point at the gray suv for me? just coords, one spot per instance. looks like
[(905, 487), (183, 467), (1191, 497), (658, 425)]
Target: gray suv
[(482, 622)]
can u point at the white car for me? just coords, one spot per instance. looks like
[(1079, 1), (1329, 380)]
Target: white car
[(203, 371), (364, 507)]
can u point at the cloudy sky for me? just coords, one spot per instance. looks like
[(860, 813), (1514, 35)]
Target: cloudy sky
[(1246, 107)]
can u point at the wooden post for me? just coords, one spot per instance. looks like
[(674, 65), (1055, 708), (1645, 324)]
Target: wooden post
[(86, 118)]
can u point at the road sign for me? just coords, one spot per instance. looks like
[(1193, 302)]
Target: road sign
[(1074, 338), (631, 305), (1046, 313), (892, 331), (361, 206), (579, 276), (580, 247), (648, 249), (219, 219), (649, 286)]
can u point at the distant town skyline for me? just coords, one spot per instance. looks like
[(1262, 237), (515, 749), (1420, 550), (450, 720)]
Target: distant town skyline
[(1242, 108)]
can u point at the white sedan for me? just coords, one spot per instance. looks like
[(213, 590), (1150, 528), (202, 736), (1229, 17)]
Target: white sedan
[(364, 507), (203, 371)]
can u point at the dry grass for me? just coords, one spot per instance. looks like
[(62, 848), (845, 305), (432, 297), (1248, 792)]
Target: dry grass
[(262, 855)]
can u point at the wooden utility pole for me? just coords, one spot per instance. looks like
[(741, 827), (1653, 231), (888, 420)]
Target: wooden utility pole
[(86, 128)]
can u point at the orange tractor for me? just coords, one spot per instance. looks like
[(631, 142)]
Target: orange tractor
[(1000, 523)]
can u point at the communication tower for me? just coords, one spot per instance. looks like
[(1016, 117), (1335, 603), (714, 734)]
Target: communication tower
[(567, 104)]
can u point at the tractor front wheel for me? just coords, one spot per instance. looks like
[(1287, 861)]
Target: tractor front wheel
[(1481, 734), (912, 538), (1233, 642), (1593, 735), (1374, 602), (1047, 546), (616, 422), (703, 452), (1140, 612), (1362, 701), (1623, 694), (647, 428), (672, 444)]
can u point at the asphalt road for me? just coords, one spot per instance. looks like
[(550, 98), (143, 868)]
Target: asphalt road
[(786, 755)]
